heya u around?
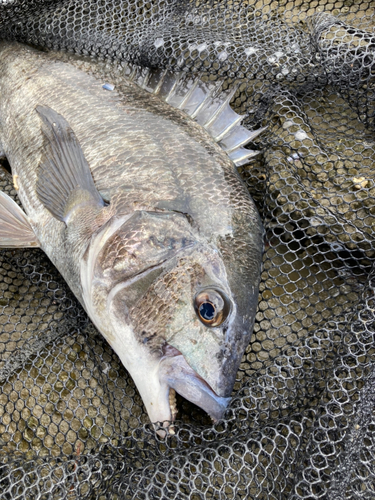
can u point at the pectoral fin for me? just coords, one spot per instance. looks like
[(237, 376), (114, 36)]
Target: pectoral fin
[(15, 229), (64, 183)]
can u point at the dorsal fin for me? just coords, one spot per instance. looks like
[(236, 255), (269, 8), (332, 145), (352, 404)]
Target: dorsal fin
[(206, 103)]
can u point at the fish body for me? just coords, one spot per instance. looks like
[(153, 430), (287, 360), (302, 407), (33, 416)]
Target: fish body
[(142, 213)]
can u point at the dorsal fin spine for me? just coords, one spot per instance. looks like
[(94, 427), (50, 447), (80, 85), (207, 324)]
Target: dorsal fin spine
[(251, 136), (241, 156), (146, 77), (161, 81), (219, 110), (188, 95), (231, 137), (173, 89), (213, 91), (230, 127)]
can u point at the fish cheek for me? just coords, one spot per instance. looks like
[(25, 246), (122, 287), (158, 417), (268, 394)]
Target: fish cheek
[(127, 304), (167, 305), (166, 314)]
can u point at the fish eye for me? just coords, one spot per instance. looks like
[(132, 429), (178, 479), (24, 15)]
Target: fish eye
[(212, 307)]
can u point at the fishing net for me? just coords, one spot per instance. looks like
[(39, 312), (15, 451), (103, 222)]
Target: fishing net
[(302, 420)]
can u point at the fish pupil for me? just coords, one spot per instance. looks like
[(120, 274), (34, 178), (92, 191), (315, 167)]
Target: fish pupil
[(207, 311)]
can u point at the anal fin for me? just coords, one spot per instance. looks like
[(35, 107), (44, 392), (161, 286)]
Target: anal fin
[(15, 229)]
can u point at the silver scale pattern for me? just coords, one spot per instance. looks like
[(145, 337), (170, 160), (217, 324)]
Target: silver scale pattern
[(302, 421)]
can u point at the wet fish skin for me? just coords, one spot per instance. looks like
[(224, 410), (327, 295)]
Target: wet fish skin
[(177, 220)]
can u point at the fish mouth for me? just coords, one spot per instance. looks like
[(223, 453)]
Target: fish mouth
[(178, 376)]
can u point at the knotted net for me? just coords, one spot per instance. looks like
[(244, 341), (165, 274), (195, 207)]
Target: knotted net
[(302, 420)]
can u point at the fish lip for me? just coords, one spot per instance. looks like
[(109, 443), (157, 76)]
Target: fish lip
[(177, 374)]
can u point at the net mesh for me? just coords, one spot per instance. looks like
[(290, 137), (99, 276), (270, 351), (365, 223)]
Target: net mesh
[(302, 419)]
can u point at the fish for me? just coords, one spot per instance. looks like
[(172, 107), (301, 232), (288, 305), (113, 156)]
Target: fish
[(128, 183)]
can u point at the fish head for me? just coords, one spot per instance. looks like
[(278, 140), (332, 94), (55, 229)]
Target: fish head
[(162, 297)]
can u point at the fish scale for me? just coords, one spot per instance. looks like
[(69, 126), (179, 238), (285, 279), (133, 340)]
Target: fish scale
[(142, 212)]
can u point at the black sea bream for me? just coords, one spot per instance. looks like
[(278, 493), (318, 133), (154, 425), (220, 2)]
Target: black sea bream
[(142, 212)]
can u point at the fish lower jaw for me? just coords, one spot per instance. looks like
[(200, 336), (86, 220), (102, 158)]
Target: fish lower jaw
[(174, 411), (180, 378)]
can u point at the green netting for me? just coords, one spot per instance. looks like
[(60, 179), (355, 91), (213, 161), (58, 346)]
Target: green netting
[(301, 423)]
